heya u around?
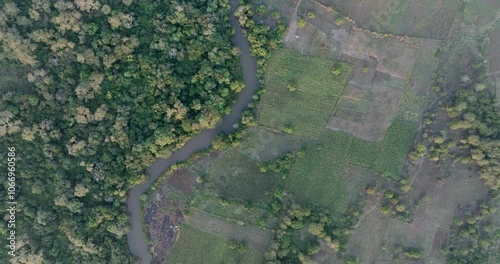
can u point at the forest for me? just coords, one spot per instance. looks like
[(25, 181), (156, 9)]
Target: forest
[(105, 88)]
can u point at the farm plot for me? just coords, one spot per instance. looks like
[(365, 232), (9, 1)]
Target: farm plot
[(234, 177), (306, 110), (386, 157), (393, 56), (396, 144), (197, 246), (426, 19), (368, 119), (323, 176)]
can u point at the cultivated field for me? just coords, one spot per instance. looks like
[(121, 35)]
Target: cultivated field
[(233, 176), (427, 19), (307, 109), (197, 246), (355, 129)]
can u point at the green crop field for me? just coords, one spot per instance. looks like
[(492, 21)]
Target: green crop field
[(196, 246), (364, 153), (319, 176), (393, 149), (237, 177), (307, 109)]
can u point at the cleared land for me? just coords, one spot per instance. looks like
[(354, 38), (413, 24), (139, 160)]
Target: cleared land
[(384, 85), (197, 246), (234, 177), (307, 109), (427, 18)]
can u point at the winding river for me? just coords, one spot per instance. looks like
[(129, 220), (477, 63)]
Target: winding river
[(136, 238)]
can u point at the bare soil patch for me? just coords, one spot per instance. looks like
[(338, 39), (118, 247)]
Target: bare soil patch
[(382, 106), (182, 180), (440, 241), (163, 218), (393, 57)]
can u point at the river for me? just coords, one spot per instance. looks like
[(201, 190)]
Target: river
[(136, 238)]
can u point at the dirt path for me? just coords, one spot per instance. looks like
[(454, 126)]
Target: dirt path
[(367, 212), (293, 23)]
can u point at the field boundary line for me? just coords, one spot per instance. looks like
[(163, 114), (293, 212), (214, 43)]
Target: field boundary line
[(234, 221)]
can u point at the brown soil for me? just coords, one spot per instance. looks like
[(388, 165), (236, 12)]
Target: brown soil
[(440, 241)]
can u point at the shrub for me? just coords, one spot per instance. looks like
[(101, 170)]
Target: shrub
[(339, 21), (292, 87), (364, 69), (313, 247), (311, 14), (336, 71), (275, 14), (261, 10), (288, 130), (301, 23)]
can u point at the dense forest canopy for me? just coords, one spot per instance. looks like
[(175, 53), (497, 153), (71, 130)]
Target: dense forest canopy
[(111, 86)]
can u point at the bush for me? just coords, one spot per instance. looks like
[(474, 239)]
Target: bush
[(339, 21), (412, 253), (311, 14), (288, 130), (275, 14), (336, 71), (301, 23), (313, 247), (261, 10)]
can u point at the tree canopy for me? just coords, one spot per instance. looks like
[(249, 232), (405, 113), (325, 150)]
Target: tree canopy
[(113, 85)]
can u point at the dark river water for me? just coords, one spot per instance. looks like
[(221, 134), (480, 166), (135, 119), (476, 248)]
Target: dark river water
[(136, 241)]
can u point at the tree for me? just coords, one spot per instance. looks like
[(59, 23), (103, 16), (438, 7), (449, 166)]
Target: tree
[(311, 14), (313, 247), (301, 23)]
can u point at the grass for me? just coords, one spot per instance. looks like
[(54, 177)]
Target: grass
[(234, 211), (196, 246), (262, 144), (394, 147), (386, 157), (236, 177), (308, 109), (363, 152), (318, 176)]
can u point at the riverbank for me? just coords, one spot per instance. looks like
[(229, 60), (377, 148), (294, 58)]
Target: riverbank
[(135, 237)]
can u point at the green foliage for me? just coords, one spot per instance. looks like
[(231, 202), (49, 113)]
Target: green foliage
[(301, 23), (313, 247), (472, 240), (209, 248), (286, 249), (394, 148), (473, 112), (113, 87), (339, 21), (275, 14), (281, 165), (412, 253), (311, 14), (262, 38), (261, 10), (292, 87), (316, 87)]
